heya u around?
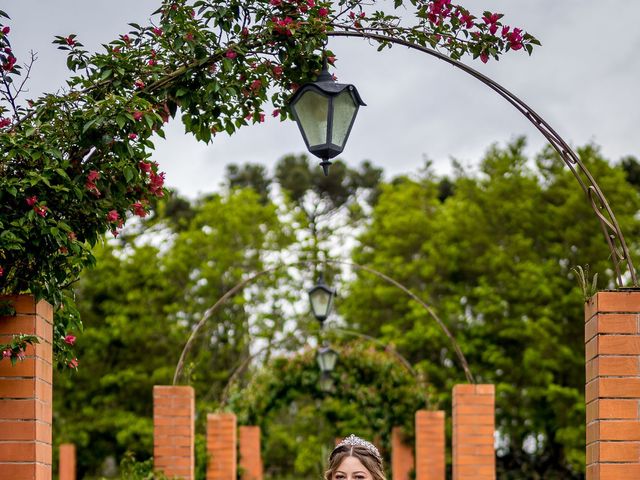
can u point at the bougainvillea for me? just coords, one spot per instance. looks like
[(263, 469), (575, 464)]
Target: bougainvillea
[(77, 164)]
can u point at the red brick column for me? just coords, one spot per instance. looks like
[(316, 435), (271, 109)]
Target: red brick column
[(174, 431), (473, 427), (401, 456), (612, 335), (26, 394), (222, 446), (250, 454), (430, 445), (67, 461)]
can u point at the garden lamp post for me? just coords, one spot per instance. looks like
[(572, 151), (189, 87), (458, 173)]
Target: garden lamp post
[(321, 299), (325, 111), (327, 358)]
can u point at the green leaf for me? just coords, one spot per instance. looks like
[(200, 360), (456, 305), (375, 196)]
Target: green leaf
[(89, 124), (121, 120), (129, 173)]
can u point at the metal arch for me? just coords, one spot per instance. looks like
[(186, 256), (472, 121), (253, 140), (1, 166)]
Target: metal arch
[(610, 227), (247, 281)]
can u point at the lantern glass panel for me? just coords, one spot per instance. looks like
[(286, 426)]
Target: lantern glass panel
[(313, 111), (327, 359), (326, 383), (344, 109), (320, 302)]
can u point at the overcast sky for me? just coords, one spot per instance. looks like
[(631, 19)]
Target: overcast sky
[(583, 81)]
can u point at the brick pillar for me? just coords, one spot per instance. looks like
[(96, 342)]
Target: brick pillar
[(26, 394), (430, 445), (67, 461), (222, 445), (401, 456), (174, 431), (473, 427), (250, 454), (612, 394)]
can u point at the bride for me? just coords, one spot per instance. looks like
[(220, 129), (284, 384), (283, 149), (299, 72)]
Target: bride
[(355, 459)]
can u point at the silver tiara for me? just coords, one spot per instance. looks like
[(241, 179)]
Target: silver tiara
[(357, 441)]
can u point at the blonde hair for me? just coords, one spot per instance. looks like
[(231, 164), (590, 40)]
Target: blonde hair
[(372, 463)]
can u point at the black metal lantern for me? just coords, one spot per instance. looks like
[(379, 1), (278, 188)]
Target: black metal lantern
[(327, 358), (325, 111), (321, 299)]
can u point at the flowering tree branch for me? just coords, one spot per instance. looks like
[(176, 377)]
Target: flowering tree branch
[(76, 164)]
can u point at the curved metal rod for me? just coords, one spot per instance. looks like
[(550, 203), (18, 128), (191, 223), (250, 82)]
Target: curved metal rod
[(236, 288), (612, 232)]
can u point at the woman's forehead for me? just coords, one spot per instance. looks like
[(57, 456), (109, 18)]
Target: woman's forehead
[(351, 464)]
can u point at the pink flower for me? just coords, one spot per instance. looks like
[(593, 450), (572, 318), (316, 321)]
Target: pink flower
[(90, 183), (139, 210), (277, 71), (151, 62), (113, 216), (31, 201), (493, 29), (275, 3), (73, 363), (484, 57), (145, 166), (331, 60), (126, 39), (256, 85), (261, 117), (137, 115), (156, 182), (157, 31), (133, 136), (311, 3), (139, 84), (70, 41), (5, 122), (21, 354), (323, 12), (275, 113), (505, 31), (491, 19), (9, 64), (42, 211), (467, 20), (6, 353), (115, 233), (6, 30), (245, 32), (231, 54), (70, 339)]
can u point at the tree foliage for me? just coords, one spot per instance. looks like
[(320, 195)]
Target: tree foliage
[(139, 305), (495, 259), (373, 393)]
